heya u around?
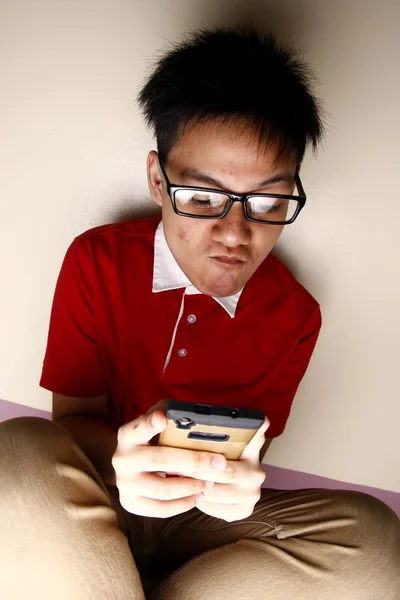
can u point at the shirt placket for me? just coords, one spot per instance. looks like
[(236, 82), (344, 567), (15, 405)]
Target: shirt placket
[(176, 348)]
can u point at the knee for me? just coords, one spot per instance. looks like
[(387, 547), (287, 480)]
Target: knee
[(376, 531), (371, 515), (29, 440), (35, 429), (24, 425)]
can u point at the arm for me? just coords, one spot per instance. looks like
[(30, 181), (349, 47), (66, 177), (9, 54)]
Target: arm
[(73, 364), (86, 420)]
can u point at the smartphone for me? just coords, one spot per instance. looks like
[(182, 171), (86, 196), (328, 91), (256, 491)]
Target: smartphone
[(222, 429)]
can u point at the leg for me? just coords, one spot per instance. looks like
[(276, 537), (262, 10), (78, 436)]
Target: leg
[(307, 544), (58, 532)]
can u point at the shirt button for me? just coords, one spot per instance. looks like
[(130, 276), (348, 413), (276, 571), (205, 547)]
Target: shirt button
[(192, 319), (182, 352)]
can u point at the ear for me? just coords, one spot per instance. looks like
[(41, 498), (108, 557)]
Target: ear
[(155, 182)]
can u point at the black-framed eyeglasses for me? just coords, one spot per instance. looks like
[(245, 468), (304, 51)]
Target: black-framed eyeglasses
[(208, 203)]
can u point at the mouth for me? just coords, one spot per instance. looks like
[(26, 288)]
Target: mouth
[(228, 260)]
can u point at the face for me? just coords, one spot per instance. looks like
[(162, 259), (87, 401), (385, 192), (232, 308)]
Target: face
[(219, 255)]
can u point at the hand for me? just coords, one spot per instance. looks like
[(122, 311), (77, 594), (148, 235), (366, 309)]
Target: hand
[(136, 463), (235, 500)]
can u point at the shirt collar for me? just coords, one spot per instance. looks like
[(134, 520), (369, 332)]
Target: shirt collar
[(167, 274)]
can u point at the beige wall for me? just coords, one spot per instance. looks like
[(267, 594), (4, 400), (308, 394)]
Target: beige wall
[(72, 155)]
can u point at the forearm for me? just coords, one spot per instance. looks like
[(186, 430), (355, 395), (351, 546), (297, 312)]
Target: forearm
[(97, 440)]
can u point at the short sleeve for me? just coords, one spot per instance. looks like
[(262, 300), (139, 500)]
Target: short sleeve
[(281, 392), (73, 364)]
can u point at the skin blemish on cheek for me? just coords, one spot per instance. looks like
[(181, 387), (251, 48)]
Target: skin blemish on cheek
[(182, 235)]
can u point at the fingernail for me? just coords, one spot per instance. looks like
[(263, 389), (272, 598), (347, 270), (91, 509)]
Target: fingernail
[(209, 484), (219, 462)]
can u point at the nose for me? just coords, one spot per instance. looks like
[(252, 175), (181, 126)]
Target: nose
[(233, 229)]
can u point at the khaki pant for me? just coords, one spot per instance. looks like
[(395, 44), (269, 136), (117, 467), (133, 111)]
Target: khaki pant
[(59, 537)]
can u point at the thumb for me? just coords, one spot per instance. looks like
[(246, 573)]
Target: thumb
[(140, 431), (252, 450)]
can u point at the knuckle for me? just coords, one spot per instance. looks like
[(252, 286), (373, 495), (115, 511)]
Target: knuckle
[(256, 498), (124, 464), (202, 461), (230, 519), (120, 435), (243, 513), (124, 486), (238, 515), (122, 431), (250, 499), (172, 489), (232, 477), (151, 486), (146, 426), (157, 458), (116, 462), (126, 500), (247, 513), (261, 475)]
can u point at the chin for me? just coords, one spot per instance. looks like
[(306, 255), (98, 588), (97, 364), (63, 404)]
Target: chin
[(219, 291), (224, 294)]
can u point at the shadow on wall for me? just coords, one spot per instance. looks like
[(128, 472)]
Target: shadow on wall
[(283, 18), (134, 214), (286, 260)]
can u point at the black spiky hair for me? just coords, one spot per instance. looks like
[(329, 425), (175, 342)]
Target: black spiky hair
[(225, 74)]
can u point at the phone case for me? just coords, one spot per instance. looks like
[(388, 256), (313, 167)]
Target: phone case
[(221, 429)]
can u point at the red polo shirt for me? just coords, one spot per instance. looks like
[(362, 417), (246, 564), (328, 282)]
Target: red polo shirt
[(110, 333)]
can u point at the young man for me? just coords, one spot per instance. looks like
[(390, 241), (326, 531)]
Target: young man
[(192, 307)]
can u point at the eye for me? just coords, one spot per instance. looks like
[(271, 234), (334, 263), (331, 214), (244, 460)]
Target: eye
[(202, 200), (274, 208), (261, 206)]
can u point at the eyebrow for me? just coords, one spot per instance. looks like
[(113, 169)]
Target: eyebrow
[(209, 180)]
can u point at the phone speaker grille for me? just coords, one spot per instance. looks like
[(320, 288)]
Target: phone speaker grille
[(208, 437)]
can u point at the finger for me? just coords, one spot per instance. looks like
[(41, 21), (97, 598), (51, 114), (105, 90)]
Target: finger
[(241, 473), (149, 507), (235, 472), (140, 431), (227, 512), (252, 450), (161, 405), (222, 493), (230, 494), (171, 460), (151, 485)]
